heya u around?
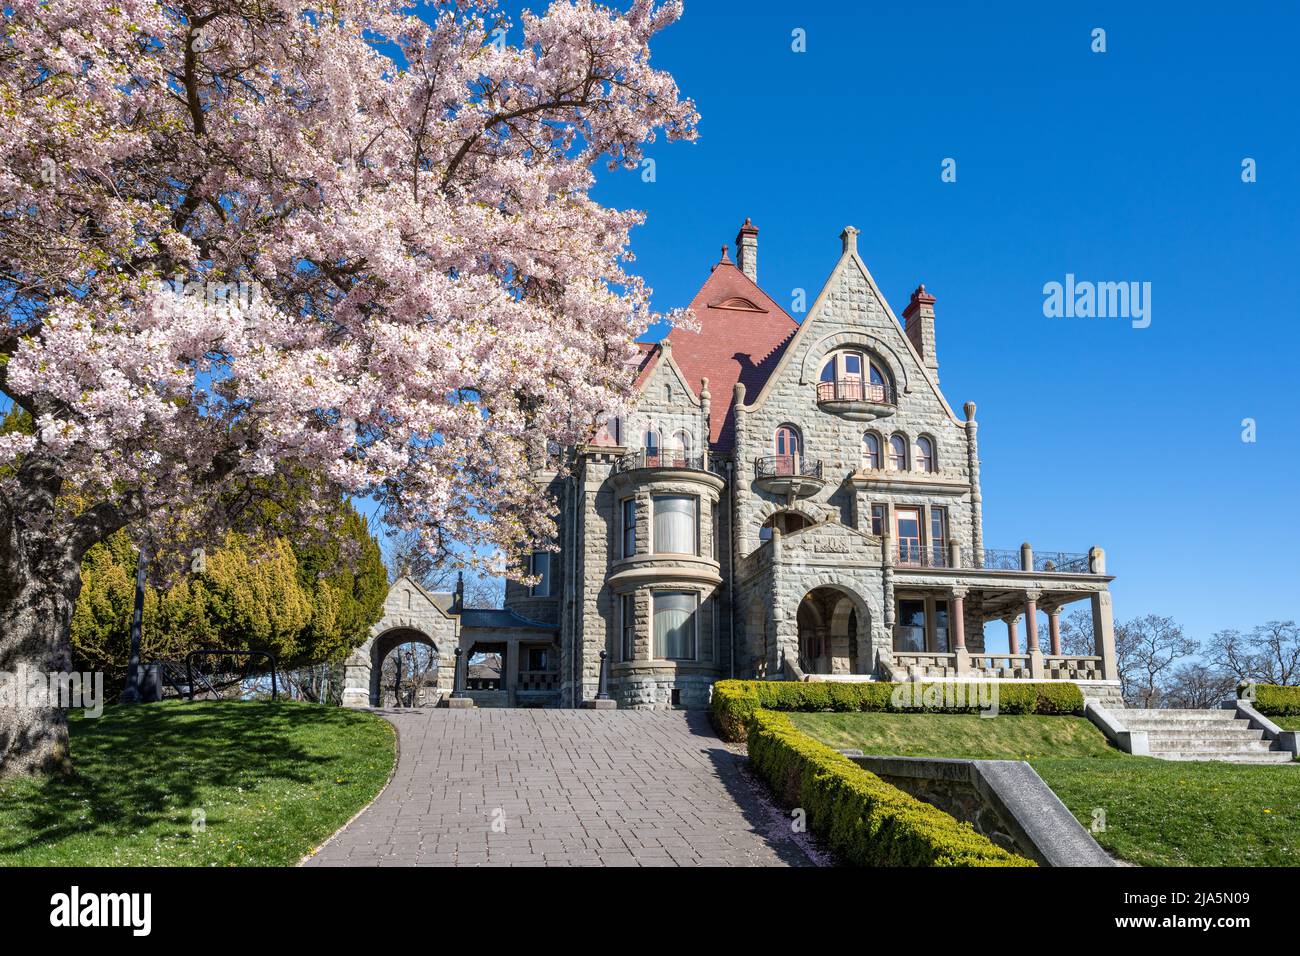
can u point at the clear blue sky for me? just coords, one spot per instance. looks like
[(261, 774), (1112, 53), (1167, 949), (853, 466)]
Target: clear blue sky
[(1117, 166)]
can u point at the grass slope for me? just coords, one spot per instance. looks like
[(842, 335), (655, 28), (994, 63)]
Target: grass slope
[(222, 783), (1157, 812)]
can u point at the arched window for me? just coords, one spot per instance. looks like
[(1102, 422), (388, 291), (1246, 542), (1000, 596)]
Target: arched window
[(924, 454), (682, 447), (898, 453), (652, 447), (871, 451), (787, 447), (856, 376)]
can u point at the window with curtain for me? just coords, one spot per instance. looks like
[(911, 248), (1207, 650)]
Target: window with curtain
[(870, 451), (925, 454), (675, 524), (674, 625), (898, 453), (629, 527)]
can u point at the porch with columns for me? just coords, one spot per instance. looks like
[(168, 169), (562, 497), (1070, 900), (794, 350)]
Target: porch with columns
[(976, 596)]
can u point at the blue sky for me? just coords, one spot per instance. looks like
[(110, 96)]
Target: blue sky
[(1116, 166)]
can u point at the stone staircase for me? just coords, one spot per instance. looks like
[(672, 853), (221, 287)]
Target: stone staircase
[(1201, 735)]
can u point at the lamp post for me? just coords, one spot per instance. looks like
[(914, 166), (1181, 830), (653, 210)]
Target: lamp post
[(602, 689), (458, 677)]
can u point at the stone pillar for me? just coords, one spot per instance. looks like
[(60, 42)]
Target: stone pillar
[(1026, 557), (976, 499), (1031, 634), (957, 628), (1013, 634), (1054, 629), (1103, 634), (356, 678)]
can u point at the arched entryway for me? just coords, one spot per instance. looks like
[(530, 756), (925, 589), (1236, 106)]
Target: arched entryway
[(406, 669), (834, 625)]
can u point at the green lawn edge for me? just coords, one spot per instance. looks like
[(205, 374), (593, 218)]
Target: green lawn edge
[(216, 783)]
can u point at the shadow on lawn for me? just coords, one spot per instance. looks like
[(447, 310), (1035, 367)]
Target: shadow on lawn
[(143, 765)]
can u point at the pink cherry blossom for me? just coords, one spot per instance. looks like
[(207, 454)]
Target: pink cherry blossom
[(239, 237)]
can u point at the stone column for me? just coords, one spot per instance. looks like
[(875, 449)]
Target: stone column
[(1103, 634), (1031, 634), (1013, 634), (957, 628), (1054, 628)]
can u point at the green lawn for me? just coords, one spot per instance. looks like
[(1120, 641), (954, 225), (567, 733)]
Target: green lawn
[(225, 783), (1157, 812), (1287, 723)]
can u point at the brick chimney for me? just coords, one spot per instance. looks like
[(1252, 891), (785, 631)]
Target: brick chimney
[(747, 250), (919, 316)]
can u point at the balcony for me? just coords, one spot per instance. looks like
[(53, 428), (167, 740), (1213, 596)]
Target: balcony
[(857, 400), (791, 475), (675, 459), (913, 554)]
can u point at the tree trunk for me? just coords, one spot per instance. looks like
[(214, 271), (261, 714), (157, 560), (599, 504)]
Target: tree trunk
[(35, 622), (40, 580)]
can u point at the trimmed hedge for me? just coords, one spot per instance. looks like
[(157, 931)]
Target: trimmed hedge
[(866, 821), (1276, 700), (736, 701)]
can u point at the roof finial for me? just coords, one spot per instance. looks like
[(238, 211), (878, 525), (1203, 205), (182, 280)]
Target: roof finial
[(725, 253)]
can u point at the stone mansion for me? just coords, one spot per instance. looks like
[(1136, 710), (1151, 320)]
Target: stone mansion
[(785, 500)]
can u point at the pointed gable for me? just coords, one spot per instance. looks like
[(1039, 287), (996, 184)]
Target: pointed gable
[(742, 333)]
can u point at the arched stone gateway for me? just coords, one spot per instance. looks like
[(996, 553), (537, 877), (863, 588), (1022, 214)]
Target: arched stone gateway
[(834, 626), (411, 615)]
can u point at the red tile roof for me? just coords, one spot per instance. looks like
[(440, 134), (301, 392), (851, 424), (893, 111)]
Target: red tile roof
[(742, 333)]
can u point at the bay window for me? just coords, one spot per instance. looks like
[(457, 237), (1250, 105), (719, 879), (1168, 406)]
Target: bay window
[(675, 621), (676, 525)]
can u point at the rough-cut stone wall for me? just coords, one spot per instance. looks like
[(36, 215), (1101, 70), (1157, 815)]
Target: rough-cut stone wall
[(851, 315), (407, 610)]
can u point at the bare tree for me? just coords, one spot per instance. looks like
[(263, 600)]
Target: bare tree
[(1076, 633), (1197, 686), (1148, 648), (404, 555), (1269, 654), (405, 672)]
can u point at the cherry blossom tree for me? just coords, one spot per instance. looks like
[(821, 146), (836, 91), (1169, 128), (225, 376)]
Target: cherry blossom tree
[(244, 236)]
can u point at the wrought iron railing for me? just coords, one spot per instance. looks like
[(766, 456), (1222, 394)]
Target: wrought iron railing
[(660, 458), (914, 554), (787, 466), (855, 390)]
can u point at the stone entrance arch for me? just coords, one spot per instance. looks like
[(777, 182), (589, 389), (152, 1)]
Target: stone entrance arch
[(411, 614), (834, 631)]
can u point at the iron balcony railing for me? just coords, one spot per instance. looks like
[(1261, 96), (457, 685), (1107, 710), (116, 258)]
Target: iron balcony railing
[(787, 466), (660, 458), (914, 554), (855, 390)]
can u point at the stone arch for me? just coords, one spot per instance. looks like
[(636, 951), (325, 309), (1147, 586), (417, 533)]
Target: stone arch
[(850, 620), (387, 642), (814, 357), (411, 614)]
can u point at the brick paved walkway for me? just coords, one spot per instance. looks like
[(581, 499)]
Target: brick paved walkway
[(564, 787)]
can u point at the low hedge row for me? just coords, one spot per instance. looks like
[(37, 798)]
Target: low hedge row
[(1275, 700), (866, 821), (736, 701)]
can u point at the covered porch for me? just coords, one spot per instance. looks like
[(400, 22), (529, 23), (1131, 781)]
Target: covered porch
[(940, 615)]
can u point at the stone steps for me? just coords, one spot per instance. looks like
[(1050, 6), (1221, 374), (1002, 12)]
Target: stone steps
[(1201, 735), (1269, 757)]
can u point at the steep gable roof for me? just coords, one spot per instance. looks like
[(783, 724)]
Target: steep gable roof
[(742, 333)]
